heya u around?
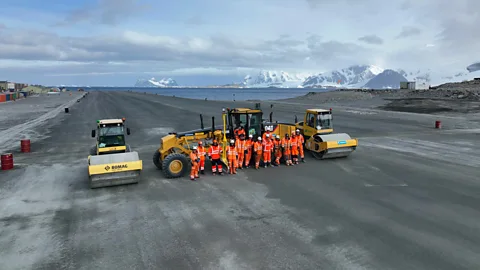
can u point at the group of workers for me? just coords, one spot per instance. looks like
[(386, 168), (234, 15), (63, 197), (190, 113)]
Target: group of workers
[(242, 152)]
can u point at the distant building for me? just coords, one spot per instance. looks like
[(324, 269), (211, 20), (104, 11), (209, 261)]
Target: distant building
[(20, 86), (3, 86), (407, 85), (6, 86)]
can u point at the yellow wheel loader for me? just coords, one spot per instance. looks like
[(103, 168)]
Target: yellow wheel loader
[(173, 155), (111, 161)]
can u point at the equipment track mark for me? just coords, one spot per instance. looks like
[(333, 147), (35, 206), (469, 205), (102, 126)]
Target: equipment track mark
[(387, 185)]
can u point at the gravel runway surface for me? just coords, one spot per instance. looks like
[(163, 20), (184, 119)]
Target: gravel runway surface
[(406, 199)]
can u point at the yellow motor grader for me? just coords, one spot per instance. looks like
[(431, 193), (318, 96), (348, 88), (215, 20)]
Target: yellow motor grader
[(173, 155)]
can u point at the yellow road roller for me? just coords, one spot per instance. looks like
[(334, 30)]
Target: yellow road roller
[(317, 129), (111, 161)]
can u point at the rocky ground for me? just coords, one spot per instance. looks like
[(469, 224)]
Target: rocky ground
[(461, 97)]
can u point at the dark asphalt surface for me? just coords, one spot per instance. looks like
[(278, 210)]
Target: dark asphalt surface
[(406, 199)]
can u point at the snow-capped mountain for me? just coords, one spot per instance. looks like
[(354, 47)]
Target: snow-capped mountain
[(272, 78), (165, 82), (424, 79), (351, 77), (388, 79)]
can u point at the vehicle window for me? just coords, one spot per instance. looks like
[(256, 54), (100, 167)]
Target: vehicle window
[(324, 120), (243, 119), (311, 120), (111, 130)]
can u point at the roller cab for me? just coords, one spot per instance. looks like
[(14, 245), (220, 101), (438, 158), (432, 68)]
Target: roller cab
[(111, 161)]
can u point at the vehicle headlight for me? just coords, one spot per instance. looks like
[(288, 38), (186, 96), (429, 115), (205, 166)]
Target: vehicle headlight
[(319, 127)]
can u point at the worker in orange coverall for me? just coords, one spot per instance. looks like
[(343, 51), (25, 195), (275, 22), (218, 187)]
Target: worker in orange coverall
[(267, 151), (240, 144), (258, 152), (295, 151), (287, 150), (264, 136), (249, 148), (214, 153), (194, 160), (201, 153), (301, 141), (277, 147), (232, 156)]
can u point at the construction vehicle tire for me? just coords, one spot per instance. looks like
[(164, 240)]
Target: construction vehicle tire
[(156, 160), (93, 150), (175, 165)]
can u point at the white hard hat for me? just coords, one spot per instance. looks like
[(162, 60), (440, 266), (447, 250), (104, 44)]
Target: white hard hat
[(250, 136), (298, 130), (278, 136), (232, 141), (268, 135), (259, 138), (194, 148)]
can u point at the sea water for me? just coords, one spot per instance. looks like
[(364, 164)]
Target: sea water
[(215, 93)]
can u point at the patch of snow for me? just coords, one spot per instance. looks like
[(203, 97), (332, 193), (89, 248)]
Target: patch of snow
[(152, 82), (351, 77), (272, 78)]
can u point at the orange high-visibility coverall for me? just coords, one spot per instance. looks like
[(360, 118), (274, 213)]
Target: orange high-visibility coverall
[(249, 146), (214, 154), (301, 141), (258, 153), (201, 153), (264, 136), (267, 151), (277, 145), (241, 147), (232, 159), (238, 132), (287, 146), (194, 161), (294, 142)]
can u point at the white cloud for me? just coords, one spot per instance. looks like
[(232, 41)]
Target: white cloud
[(231, 38)]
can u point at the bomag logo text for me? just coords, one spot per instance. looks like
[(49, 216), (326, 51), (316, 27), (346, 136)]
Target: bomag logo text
[(116, 167)]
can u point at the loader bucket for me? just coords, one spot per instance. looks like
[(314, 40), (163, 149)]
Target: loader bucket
[(114, 169), (334, 145)]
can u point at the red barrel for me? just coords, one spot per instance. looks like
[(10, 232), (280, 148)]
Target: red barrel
[(25, 146), (7, 161), (438, 124)]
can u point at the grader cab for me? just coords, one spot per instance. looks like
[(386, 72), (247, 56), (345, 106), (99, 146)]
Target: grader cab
[(173, 155)]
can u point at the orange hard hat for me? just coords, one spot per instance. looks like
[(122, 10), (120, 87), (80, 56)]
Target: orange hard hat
[(200, 143)]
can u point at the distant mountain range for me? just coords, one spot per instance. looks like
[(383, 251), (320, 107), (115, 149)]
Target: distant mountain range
[(165, 82), (357, 76)]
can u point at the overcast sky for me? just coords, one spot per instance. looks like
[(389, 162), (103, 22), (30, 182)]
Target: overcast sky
[(114, 42)]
